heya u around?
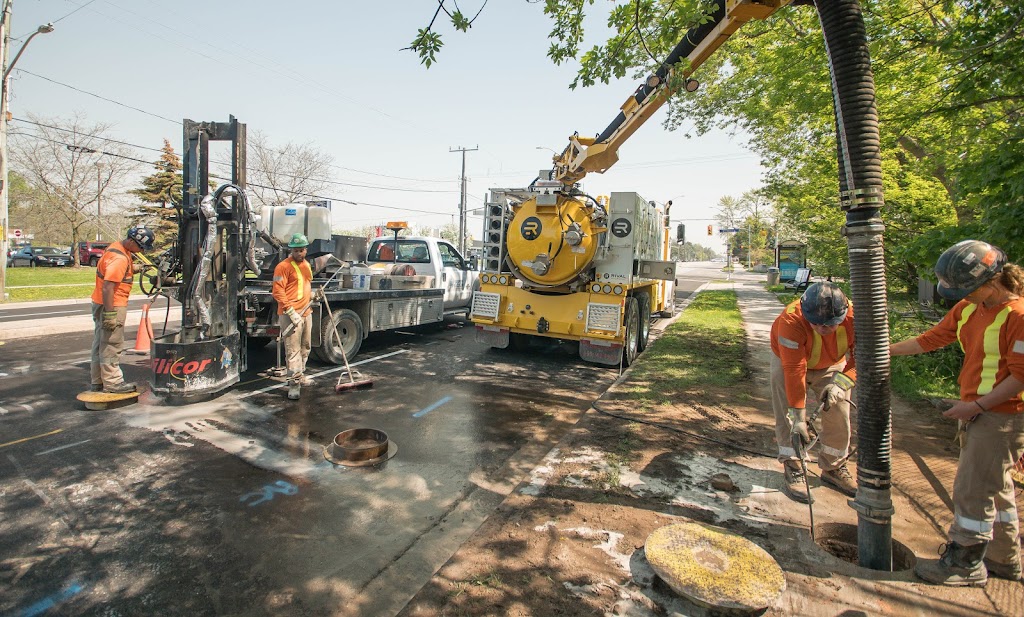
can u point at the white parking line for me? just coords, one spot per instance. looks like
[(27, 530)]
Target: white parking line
[(332, 370)]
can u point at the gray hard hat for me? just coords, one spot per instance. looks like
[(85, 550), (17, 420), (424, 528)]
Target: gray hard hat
[(824, 304), (966, 266)]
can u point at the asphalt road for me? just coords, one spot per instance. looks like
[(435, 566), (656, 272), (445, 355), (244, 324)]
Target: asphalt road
[(10, 313), (228, 506)]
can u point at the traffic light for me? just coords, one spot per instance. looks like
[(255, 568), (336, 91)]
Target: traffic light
[(681, 234), (710, 233)]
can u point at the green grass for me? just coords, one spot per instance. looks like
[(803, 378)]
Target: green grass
[(930, 375), (34, 284), (706, 346)]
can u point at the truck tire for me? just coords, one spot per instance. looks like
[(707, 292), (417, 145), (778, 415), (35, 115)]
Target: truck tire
[(350, 330), (644, 301), (632, 322), (93, 261)]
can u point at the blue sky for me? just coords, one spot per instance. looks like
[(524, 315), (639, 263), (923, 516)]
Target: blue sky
[(333, 74)]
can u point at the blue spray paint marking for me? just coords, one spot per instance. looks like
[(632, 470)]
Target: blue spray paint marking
[(42, 606), (267, 492), (426, 410)]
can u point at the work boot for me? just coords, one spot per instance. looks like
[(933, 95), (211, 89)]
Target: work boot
[(1010, 571), (794, 485), (305, 380), (841, 480), (957, 566), (119, 388), (293, 390)]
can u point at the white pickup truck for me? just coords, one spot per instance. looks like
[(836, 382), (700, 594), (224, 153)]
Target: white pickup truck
[(431, 257)]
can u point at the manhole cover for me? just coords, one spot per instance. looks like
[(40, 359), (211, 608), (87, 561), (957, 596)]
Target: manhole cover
[(360, 447), (715, 568)]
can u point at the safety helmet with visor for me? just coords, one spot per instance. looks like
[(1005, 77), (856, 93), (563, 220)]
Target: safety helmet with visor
[(966, 266), (141, 236), (824, 304), (298, 241)]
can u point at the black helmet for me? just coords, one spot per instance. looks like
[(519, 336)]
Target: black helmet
[(966, 266), (824, 304), (141, 236)]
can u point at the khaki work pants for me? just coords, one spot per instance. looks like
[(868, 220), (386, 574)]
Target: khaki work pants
[(296, 344), (984, 504), (106, 347), (835, 421)]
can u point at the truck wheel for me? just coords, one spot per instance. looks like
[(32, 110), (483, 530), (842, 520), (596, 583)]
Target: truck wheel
[(629, 347), (93, 261), (349, 329), (644, 302)]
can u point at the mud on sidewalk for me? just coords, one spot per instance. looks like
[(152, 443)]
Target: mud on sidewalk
[(569, 540)]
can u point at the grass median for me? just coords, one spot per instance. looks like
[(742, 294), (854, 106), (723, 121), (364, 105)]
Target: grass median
[(41, 284), (706, 346)]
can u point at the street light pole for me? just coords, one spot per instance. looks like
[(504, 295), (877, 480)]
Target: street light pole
[(5, 48)]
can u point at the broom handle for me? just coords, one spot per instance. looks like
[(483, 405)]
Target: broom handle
[(337, 337)]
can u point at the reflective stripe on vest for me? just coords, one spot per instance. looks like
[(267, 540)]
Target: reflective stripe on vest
[(990, 363), (964, 316), (815, 352), (301, 281), (128, 274)]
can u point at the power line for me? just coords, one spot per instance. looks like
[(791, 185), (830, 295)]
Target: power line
[(59, 18)]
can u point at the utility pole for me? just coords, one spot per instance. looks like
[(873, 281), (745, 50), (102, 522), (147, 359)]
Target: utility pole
[(462, 198), (5, 49), (99, 195)]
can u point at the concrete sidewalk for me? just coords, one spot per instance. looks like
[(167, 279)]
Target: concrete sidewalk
[(569, 540)]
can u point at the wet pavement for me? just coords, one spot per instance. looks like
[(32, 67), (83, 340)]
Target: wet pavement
[(229, 507)]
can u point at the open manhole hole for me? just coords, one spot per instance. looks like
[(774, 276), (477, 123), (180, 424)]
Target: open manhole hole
[(360, 447), (840, 540)]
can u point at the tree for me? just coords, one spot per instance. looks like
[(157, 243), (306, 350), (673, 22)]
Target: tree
[(162, 194), (949, 94), (292, 173), (70, 165)]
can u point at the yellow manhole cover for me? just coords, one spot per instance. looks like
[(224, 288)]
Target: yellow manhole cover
[(715, 568)]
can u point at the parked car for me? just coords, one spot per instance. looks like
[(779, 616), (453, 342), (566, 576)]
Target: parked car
[(89, 253), (33, 256)]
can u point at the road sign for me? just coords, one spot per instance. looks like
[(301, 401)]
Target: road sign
[(15, 233), (729, 231)]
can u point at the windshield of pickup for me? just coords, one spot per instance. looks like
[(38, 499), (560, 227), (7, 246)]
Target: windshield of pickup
[(409, 251)]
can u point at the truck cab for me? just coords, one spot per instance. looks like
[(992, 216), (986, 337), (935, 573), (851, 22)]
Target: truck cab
[(430, 257)]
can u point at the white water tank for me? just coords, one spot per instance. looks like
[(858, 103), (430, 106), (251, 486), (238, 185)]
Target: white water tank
[(284, 221)]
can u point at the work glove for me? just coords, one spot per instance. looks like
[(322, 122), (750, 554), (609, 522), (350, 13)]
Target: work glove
[(798, 422), (110, 322), (837, 390), (294, 316)]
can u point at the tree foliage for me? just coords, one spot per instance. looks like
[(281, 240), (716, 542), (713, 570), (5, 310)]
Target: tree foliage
[(949, 94), (161, 193), (70, 166), (286, 174)]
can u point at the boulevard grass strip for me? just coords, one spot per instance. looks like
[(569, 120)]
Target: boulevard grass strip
[(705, 347), (35, 284)]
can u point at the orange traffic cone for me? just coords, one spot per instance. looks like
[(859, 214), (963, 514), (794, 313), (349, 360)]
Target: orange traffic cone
[(144, 338)]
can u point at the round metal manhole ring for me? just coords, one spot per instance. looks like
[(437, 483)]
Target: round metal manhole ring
[(715, 568), (360, 447)]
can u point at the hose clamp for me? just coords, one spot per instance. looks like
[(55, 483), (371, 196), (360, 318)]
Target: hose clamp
[(867, 197), (877, 515)]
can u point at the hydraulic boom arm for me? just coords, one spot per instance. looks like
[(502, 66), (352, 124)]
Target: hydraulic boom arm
[(597, 154)]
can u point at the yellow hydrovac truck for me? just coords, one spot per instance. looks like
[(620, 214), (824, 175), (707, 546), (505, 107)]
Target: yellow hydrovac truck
[(542, 268), (559, 263)]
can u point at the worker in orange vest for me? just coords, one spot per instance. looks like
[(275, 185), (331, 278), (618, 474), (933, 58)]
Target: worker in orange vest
[(293, 292), (988, 323), (812, 347), (114, 274)]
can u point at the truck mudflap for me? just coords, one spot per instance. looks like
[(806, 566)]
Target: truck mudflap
[(600, 351), (495, 336), (189, 370)]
